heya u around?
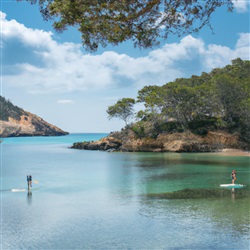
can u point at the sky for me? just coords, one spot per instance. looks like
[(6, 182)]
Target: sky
[(52, 76)]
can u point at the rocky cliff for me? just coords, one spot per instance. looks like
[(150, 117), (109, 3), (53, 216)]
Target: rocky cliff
[(15, 121), (176, 142)]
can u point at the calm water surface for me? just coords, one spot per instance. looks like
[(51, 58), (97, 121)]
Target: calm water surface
[(99, 200)]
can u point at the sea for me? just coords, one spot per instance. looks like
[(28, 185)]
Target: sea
[(84, 199)]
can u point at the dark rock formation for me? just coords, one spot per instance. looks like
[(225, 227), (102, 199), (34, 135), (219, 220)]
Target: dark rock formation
[(107, 143), (202, 193)]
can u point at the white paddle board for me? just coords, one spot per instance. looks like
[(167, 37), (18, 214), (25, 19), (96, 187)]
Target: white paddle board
[(232, 185), (18, 190)]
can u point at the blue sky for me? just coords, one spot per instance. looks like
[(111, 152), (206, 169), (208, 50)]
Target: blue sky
[(50, 74)]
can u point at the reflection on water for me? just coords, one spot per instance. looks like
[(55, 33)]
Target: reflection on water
[(29, 197), (202, 220), (99, 200)]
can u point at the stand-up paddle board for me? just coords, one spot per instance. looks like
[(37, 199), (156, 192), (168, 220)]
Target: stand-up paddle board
[(232, 185), (18, 190)]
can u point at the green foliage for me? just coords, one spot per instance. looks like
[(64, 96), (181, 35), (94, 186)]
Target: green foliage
[(7, 109), (103, 22), (233, 91), (123, 109), (169, 127), (202, 126), (139, 130), (216, 100)]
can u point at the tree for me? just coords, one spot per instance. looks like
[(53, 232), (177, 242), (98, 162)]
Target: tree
[(153, 98), (234, 95), (216, 100), (123, 109), (149, 95), (145, 22)]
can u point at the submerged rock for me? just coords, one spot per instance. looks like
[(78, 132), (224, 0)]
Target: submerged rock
[(203, 193)]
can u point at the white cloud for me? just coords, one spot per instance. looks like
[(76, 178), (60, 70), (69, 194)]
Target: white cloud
[(241, 5), (244, 41), (64, 101), (219, 56), (31, 37), (64, 68)]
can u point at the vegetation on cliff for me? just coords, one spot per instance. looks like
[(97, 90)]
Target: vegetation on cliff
[(215, 101), (9, 110), (204, 113)]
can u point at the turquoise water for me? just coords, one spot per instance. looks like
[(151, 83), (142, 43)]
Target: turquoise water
[(99, 200)]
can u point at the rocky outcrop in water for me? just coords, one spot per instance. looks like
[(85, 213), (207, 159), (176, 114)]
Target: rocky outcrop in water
[(107, 143), (176, 142)]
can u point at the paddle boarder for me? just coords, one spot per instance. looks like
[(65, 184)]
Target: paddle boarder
[(233, 175), (29, 181)]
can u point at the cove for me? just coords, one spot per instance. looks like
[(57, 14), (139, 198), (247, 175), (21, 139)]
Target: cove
[(100, 200)]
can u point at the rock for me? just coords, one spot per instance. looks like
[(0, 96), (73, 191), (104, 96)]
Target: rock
[(18, 122), (29, 125), (201, 193), (126, 141), (107, 143)]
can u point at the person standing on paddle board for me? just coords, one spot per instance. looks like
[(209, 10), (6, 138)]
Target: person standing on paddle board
[(30, 180), (233, 176)]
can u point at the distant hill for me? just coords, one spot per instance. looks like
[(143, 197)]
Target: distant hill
[(15, 121)]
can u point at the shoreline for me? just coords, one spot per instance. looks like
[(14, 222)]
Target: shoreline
[(233, 152)]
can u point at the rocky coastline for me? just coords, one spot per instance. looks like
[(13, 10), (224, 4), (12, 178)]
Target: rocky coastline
[(29, 125), (15, 121), (126, 141)]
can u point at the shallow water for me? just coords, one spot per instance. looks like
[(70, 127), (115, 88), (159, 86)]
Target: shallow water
[(100, 200)]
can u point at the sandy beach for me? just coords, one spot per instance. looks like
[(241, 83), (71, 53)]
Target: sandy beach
[(233, 152)]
